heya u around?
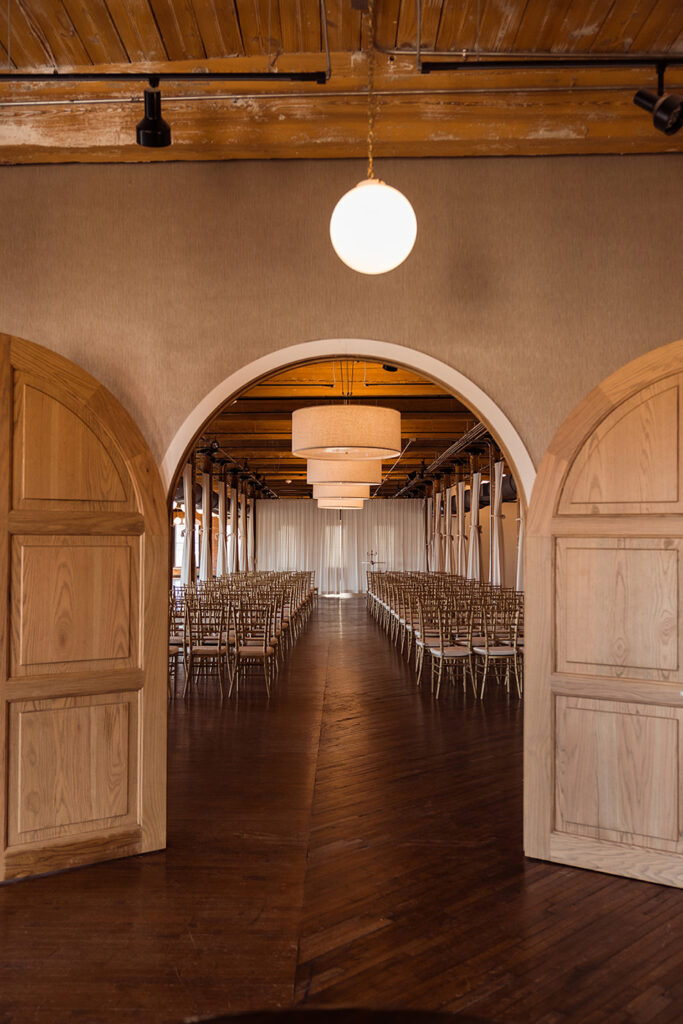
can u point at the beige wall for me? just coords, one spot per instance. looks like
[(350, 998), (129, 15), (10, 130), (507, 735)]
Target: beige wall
[(534, 277)]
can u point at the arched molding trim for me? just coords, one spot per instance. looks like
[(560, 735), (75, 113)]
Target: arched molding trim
[(621, 385), (362, 348)]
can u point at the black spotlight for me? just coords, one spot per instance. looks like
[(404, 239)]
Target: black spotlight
[(153, 132), (389, 368), (666, 110)]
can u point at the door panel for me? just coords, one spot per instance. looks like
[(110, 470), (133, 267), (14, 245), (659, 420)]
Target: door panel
[(83, 663), (604, 695)]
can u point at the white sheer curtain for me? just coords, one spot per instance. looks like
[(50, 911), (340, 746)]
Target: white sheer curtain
[(393, 530), (497, 573), (474, 549), (430, 534), (461, 561), (448, 545), (242, 533), (437, 559), (205, 567), (232, 533), (519, 582), (188, 539), (222, 553), (251, 552), (295, 534)]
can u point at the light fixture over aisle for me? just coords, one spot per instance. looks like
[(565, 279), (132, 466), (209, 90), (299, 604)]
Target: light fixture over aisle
[(373, 226), (333, 471), (341, 491), (348, 503), (341, 432)]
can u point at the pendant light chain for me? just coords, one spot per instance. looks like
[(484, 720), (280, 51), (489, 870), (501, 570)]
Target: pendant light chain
[(372, 103)]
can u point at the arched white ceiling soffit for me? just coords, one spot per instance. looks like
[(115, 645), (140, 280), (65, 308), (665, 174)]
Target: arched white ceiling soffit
[(361, 348)]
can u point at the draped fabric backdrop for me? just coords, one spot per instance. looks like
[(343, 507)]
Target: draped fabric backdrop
[(221, 554), (188, 539), (474, 547), (497, 568), (242, 533), (205, 566), (232, 532), (519, 582), (293, 533), (461, 562), (251, 550)]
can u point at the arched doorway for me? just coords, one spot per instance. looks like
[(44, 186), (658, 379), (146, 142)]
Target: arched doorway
[(604, 660), (334, 348)]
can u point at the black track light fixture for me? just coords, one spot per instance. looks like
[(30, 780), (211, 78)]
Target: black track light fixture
[(153, 132), (666, 109)]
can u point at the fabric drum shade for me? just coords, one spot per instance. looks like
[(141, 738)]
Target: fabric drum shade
[(341, 490), (340, 502), (346, 432), (329, 471)]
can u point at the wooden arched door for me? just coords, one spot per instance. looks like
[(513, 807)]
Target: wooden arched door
[(604, 685), (83, 655)]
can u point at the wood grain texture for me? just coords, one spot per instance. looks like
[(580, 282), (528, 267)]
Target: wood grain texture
[(631, 462), (470, 112), (361, 843), (57, 455), (84, 775), (75, 603), (618, 772), (616, 610), (72, 766), (609, 771)]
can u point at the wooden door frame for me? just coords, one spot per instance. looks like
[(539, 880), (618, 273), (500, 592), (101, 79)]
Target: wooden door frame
[(539, 784)]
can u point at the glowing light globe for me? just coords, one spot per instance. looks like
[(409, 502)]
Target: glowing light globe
[(373, 227)]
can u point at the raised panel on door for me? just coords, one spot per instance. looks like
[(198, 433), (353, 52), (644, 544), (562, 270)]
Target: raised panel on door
[(630, 463), (82, 681), (617, 607), (604, 656)]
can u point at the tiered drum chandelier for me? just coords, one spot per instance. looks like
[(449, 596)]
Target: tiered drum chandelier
[(345, 446)]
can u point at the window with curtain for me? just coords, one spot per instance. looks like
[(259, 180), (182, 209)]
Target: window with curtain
[(294, 533)]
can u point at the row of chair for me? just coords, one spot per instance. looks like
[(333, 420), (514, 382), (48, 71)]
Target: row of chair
[(235, 623), (465, 628)]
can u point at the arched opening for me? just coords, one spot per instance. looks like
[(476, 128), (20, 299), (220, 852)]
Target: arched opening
[(348, 348)]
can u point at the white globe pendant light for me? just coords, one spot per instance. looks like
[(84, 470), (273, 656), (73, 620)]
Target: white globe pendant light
[(349, 503), (348, 471), (373, 227), (346, 432), (341, 491)]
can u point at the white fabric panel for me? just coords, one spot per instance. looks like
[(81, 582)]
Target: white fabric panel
[(519, 582), (242, 533), (251, 552), (188, 539), (222, 553), (448, 562), (437, 561), (232, 533), (393, 530), (474, 548), (497, 569), (205, 567), (430, 535), (461, 561), (294, 533)]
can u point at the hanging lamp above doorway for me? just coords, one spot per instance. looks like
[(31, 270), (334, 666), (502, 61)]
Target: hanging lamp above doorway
[(373, 226)]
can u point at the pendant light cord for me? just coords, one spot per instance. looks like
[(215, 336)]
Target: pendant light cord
[(371, 86)]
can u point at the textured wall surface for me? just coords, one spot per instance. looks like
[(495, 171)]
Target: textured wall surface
[(534, 277)]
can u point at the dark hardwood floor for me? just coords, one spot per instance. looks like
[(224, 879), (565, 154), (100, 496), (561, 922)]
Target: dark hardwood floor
[(349, 843)]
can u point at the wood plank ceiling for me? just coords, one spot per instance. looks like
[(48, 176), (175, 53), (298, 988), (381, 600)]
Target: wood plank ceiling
[(448, 113), (256, 428)]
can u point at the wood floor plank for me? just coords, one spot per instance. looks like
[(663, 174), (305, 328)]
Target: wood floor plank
[(349, 842)]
